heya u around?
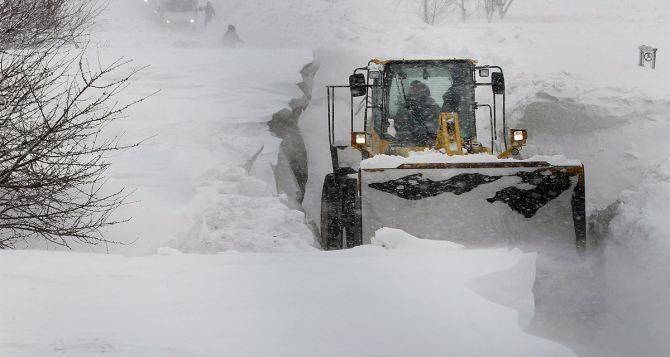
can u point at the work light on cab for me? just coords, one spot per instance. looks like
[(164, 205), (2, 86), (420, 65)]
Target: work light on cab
[(519, 137), (358, 138)]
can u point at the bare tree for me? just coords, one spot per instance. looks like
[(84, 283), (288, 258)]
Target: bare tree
[(432, 10), (34, 23), (54, 107), (503, 7), (493, 6), (461, 5)]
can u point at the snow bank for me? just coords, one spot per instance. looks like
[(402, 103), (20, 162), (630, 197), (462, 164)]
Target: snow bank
[(234, 210), (638, 265), (433, 156), (367, 301), (204, 179), (511, 287), (641, 223)]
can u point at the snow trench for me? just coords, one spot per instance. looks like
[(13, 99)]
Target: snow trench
[(291, 171), (256, 206)]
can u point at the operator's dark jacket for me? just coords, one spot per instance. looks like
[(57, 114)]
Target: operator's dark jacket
[(418, 119)]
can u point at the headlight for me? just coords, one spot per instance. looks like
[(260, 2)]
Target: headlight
[(192, 21), (519, 137), (359, 138)]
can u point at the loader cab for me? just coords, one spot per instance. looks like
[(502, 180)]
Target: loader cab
[(416, 92), (405, 101), (403, 107)]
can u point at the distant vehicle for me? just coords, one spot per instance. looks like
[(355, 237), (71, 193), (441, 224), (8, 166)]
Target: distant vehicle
[(150, 3), (149, 7), (178, 13)]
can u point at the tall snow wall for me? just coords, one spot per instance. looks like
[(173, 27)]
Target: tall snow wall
[(291, 171)]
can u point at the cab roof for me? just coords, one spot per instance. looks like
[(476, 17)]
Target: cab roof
[(414, 60)]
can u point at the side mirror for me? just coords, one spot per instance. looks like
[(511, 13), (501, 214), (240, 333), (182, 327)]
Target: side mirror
[(357, 85), (484, 72), (497, 83)]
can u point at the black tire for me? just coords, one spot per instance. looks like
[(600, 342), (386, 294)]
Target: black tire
[(340, 213), (331, 226), (579, 216), (352, 223)]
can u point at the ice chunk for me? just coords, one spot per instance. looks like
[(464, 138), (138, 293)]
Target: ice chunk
[(391, 238)]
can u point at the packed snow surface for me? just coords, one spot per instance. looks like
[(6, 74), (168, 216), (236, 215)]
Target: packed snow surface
[(398, 297)]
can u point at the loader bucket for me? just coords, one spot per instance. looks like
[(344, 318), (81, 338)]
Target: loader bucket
[(478, 203)]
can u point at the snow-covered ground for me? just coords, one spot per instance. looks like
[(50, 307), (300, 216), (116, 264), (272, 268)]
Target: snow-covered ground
[(203, 177), (573, 82), (399, 297)]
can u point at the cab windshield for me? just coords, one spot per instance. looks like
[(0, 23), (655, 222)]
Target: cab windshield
[(417, 92)]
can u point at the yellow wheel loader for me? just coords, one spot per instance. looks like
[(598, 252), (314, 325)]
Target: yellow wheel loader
[(412, 160)]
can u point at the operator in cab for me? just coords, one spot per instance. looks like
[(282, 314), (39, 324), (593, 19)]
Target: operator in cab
[(453, 97), (417, 122)]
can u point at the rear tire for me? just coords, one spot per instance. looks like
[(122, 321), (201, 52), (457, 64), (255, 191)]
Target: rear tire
[(352, 213), (579, 217), (331, 226), (340, 213)]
